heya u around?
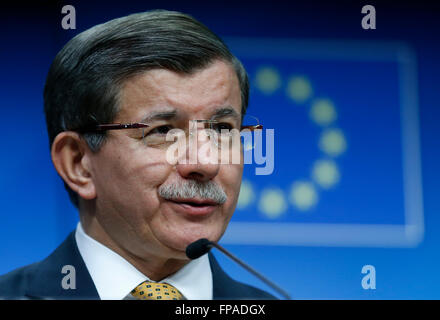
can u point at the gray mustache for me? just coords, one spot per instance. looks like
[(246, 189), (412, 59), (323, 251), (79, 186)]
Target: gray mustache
[(193, 189)]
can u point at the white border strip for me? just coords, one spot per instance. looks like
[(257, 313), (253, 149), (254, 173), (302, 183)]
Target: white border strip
[(314, 234)]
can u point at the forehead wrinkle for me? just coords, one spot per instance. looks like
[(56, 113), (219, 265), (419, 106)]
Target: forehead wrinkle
[(191, 95)]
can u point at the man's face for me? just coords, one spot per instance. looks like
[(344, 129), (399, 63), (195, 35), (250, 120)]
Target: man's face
[(128, 174)]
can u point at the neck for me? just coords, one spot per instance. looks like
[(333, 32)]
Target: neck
[(155, 267)]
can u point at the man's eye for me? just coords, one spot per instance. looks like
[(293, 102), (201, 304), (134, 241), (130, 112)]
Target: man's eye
[(222, 126), (161, 130)]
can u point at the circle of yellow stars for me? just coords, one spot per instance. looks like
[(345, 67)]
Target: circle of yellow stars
[(303, 195)]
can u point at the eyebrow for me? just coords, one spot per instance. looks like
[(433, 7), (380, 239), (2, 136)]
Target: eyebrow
[(226, 112), (160, 115), (221, 112)]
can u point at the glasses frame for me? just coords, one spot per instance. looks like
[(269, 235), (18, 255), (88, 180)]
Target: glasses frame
[(136, 125)]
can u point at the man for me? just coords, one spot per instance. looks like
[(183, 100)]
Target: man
[(151, 72)]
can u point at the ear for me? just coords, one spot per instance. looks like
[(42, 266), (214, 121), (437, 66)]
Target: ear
[(71, 158)]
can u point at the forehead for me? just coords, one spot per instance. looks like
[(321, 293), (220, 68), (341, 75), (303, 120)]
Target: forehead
[(193, 95)]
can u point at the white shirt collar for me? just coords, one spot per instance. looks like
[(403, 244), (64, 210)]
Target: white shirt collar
[(114, 277)]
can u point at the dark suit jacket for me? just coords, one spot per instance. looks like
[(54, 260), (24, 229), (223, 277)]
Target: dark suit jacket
[(42, 280)]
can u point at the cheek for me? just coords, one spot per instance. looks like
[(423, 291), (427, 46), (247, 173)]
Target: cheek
[(230, 178), (128, 181)]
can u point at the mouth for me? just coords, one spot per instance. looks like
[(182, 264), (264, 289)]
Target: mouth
[(193, 207)]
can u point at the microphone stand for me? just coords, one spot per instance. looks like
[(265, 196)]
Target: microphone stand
[(251, 270)]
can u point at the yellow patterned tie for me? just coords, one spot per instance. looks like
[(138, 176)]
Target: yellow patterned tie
[(156, 291)]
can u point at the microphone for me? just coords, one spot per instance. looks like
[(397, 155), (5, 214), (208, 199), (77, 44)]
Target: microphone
[(200, 247)]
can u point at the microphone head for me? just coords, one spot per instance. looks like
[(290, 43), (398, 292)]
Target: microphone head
[(198, 248)]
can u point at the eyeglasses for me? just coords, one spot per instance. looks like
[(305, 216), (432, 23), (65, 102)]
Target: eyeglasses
[(161, 134)]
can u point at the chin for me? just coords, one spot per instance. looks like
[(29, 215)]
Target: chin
[(180, 242), (177, 232)]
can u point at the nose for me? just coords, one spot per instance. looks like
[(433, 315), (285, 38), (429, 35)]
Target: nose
[(201, 161), (199, 172)]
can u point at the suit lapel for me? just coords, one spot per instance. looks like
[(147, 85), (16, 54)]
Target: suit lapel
[(45, 280), (224, 287)]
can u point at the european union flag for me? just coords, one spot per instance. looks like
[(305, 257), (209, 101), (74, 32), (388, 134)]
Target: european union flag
[(346, 153)]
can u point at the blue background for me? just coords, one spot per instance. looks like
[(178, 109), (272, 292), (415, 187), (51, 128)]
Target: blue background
[(36, 214)]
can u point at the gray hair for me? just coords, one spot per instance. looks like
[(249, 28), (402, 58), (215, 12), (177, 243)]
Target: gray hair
[(84, 81)]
